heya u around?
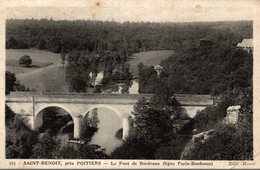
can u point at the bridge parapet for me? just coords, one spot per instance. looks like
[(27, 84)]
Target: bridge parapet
[(94, 98), (183, 99)]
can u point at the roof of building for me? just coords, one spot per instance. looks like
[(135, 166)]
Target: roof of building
[(246, 43), (158, 67)]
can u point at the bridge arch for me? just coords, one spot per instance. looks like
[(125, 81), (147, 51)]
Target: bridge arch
[(40, 108), (101, 106), (124, 118), (39, 116)]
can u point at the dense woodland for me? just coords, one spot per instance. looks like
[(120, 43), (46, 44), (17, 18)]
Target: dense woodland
[(124, 37), (201, 69), (209, 69)]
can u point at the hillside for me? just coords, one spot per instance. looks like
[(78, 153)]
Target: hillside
[(209, 69), (47, 79), (147, 58)]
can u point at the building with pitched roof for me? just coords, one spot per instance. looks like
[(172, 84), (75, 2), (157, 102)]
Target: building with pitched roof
[(246, 44)]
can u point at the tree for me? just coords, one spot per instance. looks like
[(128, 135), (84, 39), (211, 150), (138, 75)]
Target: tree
[(21, 87), (77, 70), (11, 43), (134, 147), (41, 44), (154, 121), (154, 126), (63, 55), (15, 44), (9, 116), (19, 139), (9, 82), (148, 79), (25, 60)]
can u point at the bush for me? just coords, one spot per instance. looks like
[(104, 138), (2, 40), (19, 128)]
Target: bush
[(172, 150), (211, 116), (25, 60), (133, 148), (119, 134), (97, 89), (80, 152)]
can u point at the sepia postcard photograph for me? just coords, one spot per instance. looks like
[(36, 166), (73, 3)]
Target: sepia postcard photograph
[(135, 84)]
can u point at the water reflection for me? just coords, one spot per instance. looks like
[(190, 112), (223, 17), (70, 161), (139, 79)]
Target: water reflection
[(130, 87), (133, 89), (109, 124), (95, 79)]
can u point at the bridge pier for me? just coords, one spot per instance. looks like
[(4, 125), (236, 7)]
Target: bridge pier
[(77, 126), (126, 127)]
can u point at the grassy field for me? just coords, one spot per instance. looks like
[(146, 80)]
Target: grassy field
[(44, 74), (46, 79), (147, 58), (39, 59)]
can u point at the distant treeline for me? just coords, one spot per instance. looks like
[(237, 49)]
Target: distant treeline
[(122, 37)]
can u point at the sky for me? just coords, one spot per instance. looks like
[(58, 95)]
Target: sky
[(132, 10)]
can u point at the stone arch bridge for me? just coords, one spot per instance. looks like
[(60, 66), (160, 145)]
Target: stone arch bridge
[(30, 104)]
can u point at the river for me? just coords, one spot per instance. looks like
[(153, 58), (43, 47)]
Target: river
[(109, 121), (109, 124)]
